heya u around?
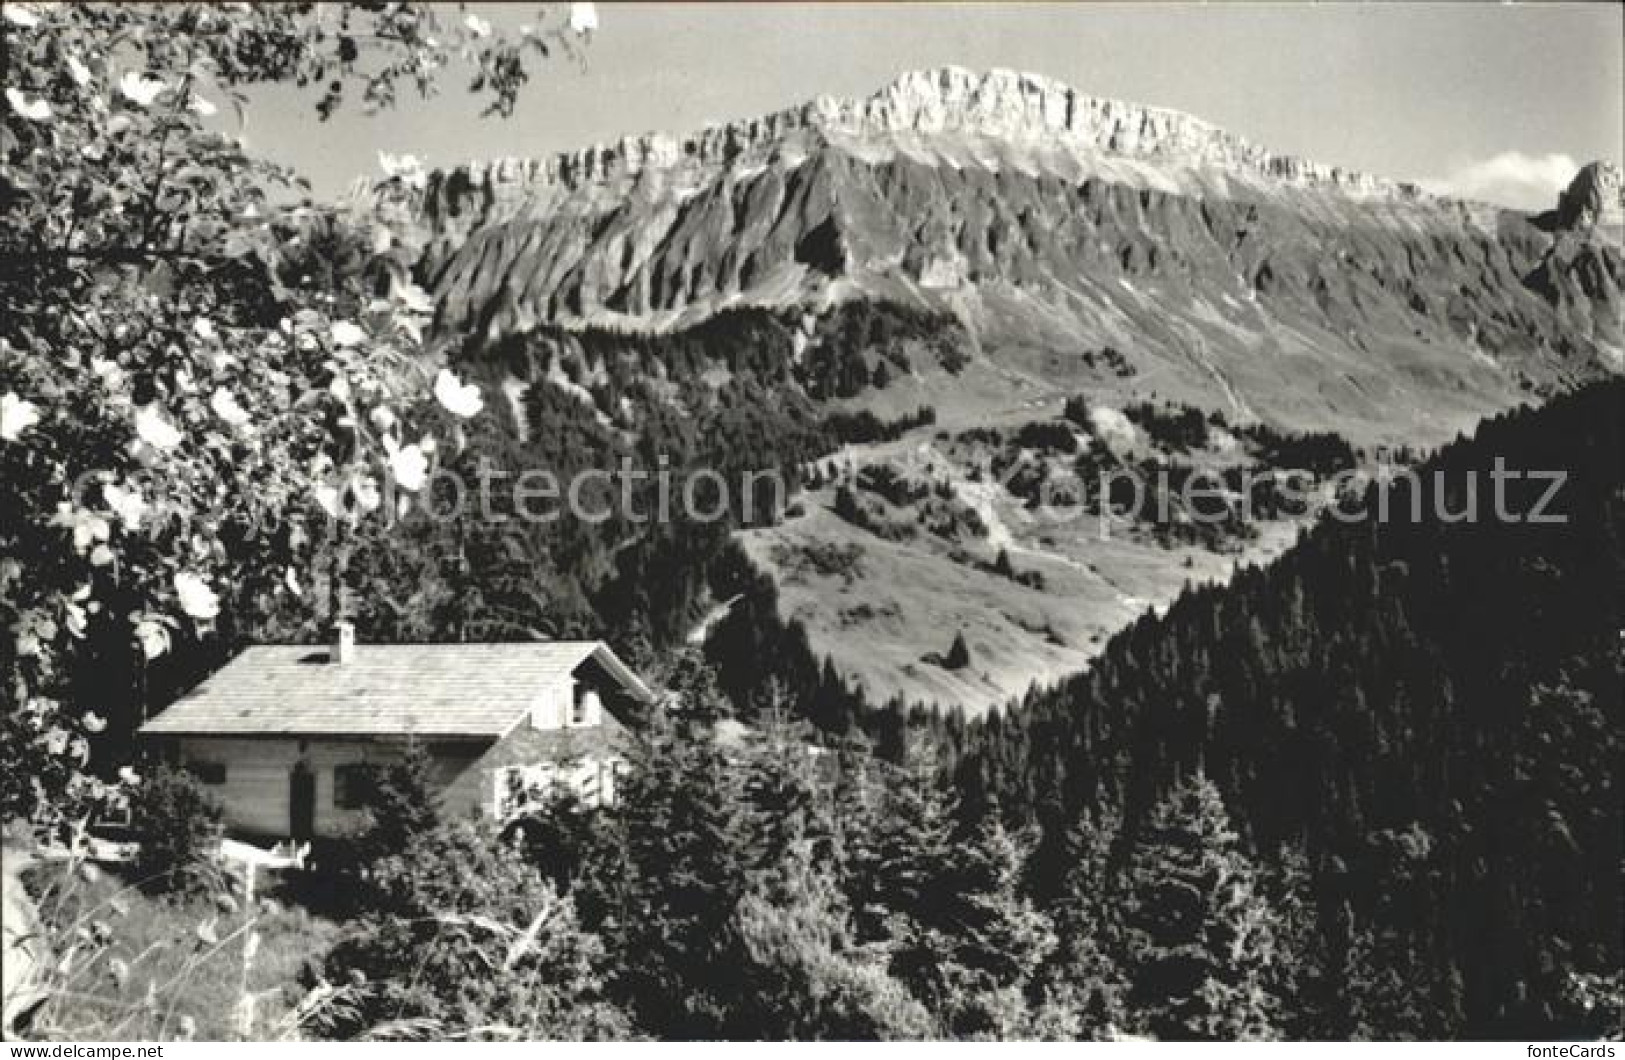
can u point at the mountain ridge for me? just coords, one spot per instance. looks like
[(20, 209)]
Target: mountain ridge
[(825, 200), (1001, 103)]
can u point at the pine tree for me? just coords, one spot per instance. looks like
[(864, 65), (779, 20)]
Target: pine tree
[(1299, 977), (808, 980), (402, 802), (847, 505), (683, 837), (788, 802), (995, 941), (1395, 989), (1203, 936), (1089, 924), (958, 656), (895, 871)]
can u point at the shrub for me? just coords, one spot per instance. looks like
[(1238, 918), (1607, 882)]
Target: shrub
[(401, 804), (476, 944), (176, 826)]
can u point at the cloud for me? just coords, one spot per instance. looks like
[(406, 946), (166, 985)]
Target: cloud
[(1511, 178)]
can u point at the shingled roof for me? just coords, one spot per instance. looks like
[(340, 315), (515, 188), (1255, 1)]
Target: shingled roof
[(443, 690)]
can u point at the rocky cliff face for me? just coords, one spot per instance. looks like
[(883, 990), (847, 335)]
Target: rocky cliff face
[(1047, 219), (1594, 199), (950, 102)]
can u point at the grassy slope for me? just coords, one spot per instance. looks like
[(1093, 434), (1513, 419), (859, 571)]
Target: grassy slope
[(143, 968)]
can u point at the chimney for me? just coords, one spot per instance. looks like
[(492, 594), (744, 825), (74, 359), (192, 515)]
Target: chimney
[(341, 646)]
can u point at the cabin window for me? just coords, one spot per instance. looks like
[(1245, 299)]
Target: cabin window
[(352, 785), (584, 709), (208, 772)]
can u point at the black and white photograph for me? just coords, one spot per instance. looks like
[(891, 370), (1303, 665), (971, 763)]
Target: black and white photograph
[(811, 522)]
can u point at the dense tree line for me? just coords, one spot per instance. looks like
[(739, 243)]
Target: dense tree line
[(1427, 709), (764, 884)]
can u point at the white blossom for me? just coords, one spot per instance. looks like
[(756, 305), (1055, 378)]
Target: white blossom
[(78, 71), (409, 465), (153, 637), (345, 333), (108, 372), (477, 25), (203, 328), (139, 89), (327, 496), (201, 106), (21, 15), (128, 504), (152, 427), (366, 494), (32, 109), (87, 527), (16, 416), (197, 599), (224, 404), (458, 398)]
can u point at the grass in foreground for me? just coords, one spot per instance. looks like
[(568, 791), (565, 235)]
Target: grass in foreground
[(129, 965)]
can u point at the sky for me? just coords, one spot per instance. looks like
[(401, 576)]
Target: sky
[(1494, 101)]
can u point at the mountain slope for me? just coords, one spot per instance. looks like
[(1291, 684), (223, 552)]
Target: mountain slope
[(1046, 220), (991, 247)]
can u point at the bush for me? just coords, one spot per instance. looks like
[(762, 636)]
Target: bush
[(401, 804), (476, 944), (176, 826)]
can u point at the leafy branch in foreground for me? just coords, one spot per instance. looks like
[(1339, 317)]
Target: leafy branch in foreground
[(179, 427)]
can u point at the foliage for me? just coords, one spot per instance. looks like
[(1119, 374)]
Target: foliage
[(475, 944), (865, 427), (175, 823), (130, 966), (1091, 936), (681, 874), (178, 419), (1202, 936), (808, 979), (402, 802), (994, 941)]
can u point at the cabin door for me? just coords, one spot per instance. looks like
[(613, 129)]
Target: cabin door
[(301, 802)]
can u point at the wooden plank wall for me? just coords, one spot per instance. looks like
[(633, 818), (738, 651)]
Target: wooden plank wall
[(256, 790)]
